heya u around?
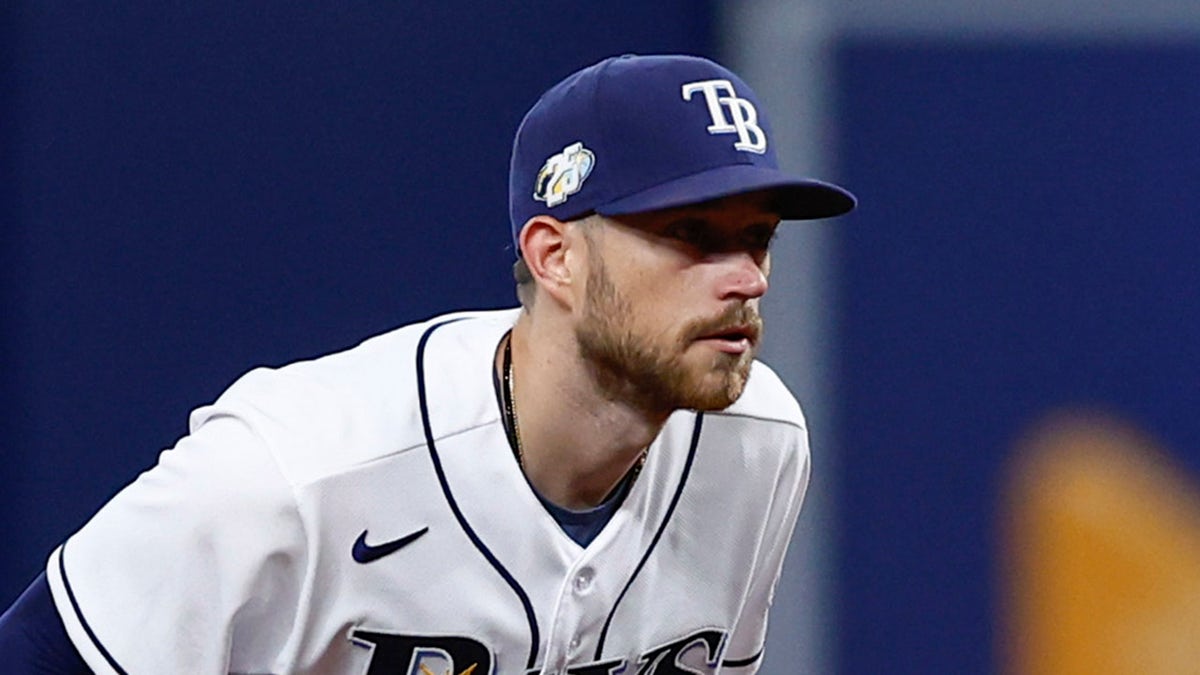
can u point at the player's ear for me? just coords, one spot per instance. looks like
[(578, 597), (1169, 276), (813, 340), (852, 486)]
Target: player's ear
[(545, 247)]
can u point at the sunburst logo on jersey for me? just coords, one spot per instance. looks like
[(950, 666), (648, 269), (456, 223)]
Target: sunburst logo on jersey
[(563, 174)]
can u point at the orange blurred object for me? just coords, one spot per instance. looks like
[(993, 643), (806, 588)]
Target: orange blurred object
[(1101, 547)]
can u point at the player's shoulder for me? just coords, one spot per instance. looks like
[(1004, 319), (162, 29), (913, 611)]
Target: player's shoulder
[(334, 412), (766, 400), (767, 425)]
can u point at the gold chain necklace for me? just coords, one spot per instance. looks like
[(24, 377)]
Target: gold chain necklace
[(510, 415), (510, 411)]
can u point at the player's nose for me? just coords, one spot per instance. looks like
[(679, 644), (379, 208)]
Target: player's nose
[(743, 275)]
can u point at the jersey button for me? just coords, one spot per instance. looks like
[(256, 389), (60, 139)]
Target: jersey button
[(573, 645), (583, 580)]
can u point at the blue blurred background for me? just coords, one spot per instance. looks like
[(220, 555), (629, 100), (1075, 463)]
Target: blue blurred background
[(188, 190)]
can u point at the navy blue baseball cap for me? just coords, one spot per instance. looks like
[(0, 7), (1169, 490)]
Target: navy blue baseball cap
[(639, 133)]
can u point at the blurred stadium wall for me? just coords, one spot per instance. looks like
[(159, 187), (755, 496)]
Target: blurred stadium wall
[(1026, 242)]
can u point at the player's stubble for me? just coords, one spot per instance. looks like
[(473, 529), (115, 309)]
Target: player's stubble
[(629, 364)]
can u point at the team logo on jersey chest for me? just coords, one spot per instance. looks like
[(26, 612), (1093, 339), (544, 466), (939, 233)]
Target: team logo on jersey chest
[(698, 653), (393, 654)]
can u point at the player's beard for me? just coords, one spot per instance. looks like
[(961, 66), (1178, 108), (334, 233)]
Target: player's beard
[(648, 370)]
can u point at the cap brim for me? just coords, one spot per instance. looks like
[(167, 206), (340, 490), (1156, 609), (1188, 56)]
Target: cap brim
[(794, 197)]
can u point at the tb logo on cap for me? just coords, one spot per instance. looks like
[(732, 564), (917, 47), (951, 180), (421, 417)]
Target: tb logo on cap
[(742, 120)]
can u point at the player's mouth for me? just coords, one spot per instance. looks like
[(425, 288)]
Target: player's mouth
[(737, 339)]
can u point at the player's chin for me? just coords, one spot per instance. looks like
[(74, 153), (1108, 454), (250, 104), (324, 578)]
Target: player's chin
[(715, 400), (719, 388)]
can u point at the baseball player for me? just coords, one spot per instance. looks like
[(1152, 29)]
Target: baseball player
[(603, 480)]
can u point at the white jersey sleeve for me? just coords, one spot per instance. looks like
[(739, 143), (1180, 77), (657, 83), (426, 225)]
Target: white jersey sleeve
[(203, 552)]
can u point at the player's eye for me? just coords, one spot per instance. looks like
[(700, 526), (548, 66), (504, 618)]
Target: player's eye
[(688, 230), (693, 232), (758, 237), (705, 238)]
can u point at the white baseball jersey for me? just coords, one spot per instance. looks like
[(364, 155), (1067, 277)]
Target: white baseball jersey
[(364, 513)]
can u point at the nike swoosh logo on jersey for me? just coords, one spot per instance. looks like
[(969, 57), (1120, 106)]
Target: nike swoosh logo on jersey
[(365, 553)]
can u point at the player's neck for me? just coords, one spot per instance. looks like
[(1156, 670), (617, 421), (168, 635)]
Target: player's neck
[(577, 444)]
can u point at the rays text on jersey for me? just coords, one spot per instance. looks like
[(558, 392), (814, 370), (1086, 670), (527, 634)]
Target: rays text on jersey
[(698, 653)]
